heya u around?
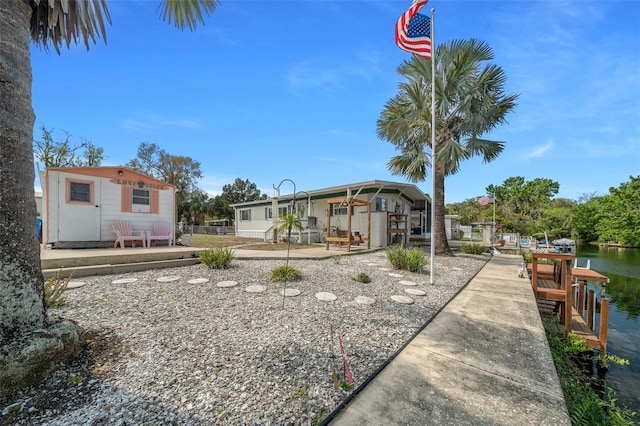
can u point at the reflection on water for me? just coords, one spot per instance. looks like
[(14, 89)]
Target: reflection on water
[(622, 266)]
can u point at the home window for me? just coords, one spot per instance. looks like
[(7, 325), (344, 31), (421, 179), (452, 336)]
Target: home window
[(282, 211), (140, 200), (381, 204), (245, 215), (337, 209), (268, 213)]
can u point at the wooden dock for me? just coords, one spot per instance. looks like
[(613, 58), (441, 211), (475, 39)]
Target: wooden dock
[(565, 288)]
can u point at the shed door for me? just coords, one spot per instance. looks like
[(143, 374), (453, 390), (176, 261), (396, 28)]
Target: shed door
[(79, 210)]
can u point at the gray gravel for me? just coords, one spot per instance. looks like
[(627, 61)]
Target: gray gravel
[(198, 354)]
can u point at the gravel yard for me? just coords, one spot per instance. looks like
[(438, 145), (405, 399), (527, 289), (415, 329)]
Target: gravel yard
[(164, 350)]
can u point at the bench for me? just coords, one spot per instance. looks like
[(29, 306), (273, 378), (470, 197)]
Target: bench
[(348, 238)]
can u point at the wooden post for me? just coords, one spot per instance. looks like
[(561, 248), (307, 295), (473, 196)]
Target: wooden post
[(349, 210), (591, 303), (567, 280), (369, 225), (604, 322), (580, 306), (534, 275), (328, 231)]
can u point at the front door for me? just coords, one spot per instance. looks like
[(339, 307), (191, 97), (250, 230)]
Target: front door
[(79, 210)]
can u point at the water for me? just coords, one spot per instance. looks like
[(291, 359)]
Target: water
[(622, 266)]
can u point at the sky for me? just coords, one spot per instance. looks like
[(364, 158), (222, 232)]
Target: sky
[(271, 90)]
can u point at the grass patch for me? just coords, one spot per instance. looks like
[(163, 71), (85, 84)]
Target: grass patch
[(412, 259), (284, 273), (217, 258)]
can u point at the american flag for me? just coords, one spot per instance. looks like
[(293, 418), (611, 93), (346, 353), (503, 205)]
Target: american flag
[(486, 200), (413, 31)]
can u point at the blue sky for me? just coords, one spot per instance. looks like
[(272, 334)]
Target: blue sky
[(268, 90)]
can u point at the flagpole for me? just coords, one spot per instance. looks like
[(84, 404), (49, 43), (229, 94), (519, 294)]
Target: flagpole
[(433, 149)]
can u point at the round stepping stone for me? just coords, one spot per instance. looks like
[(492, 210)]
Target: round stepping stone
[(372, 264), (255, 288), (405, 282), (75, 284), (326, 296), (364, 300), (384, 269), (395, 275), (364, 260), (415, 291), (168, 278), (402, 299), (290, 292), (198, 281), (225, 284), (124, 281)]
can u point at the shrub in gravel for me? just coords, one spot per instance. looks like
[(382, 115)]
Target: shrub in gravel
[(217, 258), (362, 278), (402, 258), (54, 288), (284, 273)]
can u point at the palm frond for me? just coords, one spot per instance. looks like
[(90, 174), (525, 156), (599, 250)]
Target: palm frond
[(187, 12), (63, 21)]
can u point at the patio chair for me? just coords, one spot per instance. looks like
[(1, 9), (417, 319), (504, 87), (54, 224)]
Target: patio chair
[(161, 231), (124, 232)]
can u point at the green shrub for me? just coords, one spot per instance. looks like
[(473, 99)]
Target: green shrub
[(402, 258), (473, 248), (217, 258), (284, 273), (362, 278), (395, 256), (54, 289)]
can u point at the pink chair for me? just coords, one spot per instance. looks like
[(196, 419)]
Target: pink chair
[(161, 231), (124, 232)]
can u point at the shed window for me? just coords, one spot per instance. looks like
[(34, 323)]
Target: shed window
[(140, 200), (80, 192)]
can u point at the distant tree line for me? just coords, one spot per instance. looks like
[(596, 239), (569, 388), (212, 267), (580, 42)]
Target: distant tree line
[(194, 204), (528, 208)]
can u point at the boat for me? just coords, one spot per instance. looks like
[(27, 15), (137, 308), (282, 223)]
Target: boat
[(564, 245)]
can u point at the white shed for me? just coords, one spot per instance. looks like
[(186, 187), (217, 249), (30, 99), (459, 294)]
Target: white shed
[(79, 204)]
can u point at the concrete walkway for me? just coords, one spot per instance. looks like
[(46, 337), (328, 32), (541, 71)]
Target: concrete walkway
[(483, 360)]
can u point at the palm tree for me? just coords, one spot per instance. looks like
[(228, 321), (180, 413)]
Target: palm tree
[(289, 221), (469, 102), (22, 306)]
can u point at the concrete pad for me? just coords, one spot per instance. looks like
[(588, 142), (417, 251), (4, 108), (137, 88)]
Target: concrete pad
[(255, 288), (402, 299), (364, 300), (326, 296), (198, 281), (290, 292), (415, 292), (124, 281), (407, 282), (168, 279), (395, 275), (226, 284)]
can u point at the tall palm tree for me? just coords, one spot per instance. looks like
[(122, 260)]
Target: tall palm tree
[(22, 309), (469, 102)]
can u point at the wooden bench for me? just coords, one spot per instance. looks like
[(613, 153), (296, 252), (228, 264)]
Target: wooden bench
[(348, 238)]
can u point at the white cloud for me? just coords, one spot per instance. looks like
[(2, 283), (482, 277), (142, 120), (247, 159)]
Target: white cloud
[(540, 150)]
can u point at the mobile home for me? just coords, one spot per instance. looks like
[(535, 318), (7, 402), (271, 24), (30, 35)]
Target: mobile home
[(387, 213)]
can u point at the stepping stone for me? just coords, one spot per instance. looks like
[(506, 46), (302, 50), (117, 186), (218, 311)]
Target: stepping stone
[(364, 300), (198, 281), (326, 296), (124, 281), (395, 275), (364, 260), (255, 288), (373, 264), (75, 284), (402, 299), (415, 291), (225, 284), (168, 278), (405, 282), (384, 269), (290, 292)]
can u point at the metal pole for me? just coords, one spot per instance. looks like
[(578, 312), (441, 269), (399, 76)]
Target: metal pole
[(433, 150)]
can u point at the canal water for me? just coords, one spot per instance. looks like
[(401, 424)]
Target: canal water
[(622, 266)]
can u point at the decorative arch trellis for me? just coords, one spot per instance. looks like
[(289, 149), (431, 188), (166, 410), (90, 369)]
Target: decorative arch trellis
[(349, 203)]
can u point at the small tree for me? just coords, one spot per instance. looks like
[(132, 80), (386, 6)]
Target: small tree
[(289, 221), (54, 153)]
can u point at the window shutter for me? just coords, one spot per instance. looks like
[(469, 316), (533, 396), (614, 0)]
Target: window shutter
[(125, 199)]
